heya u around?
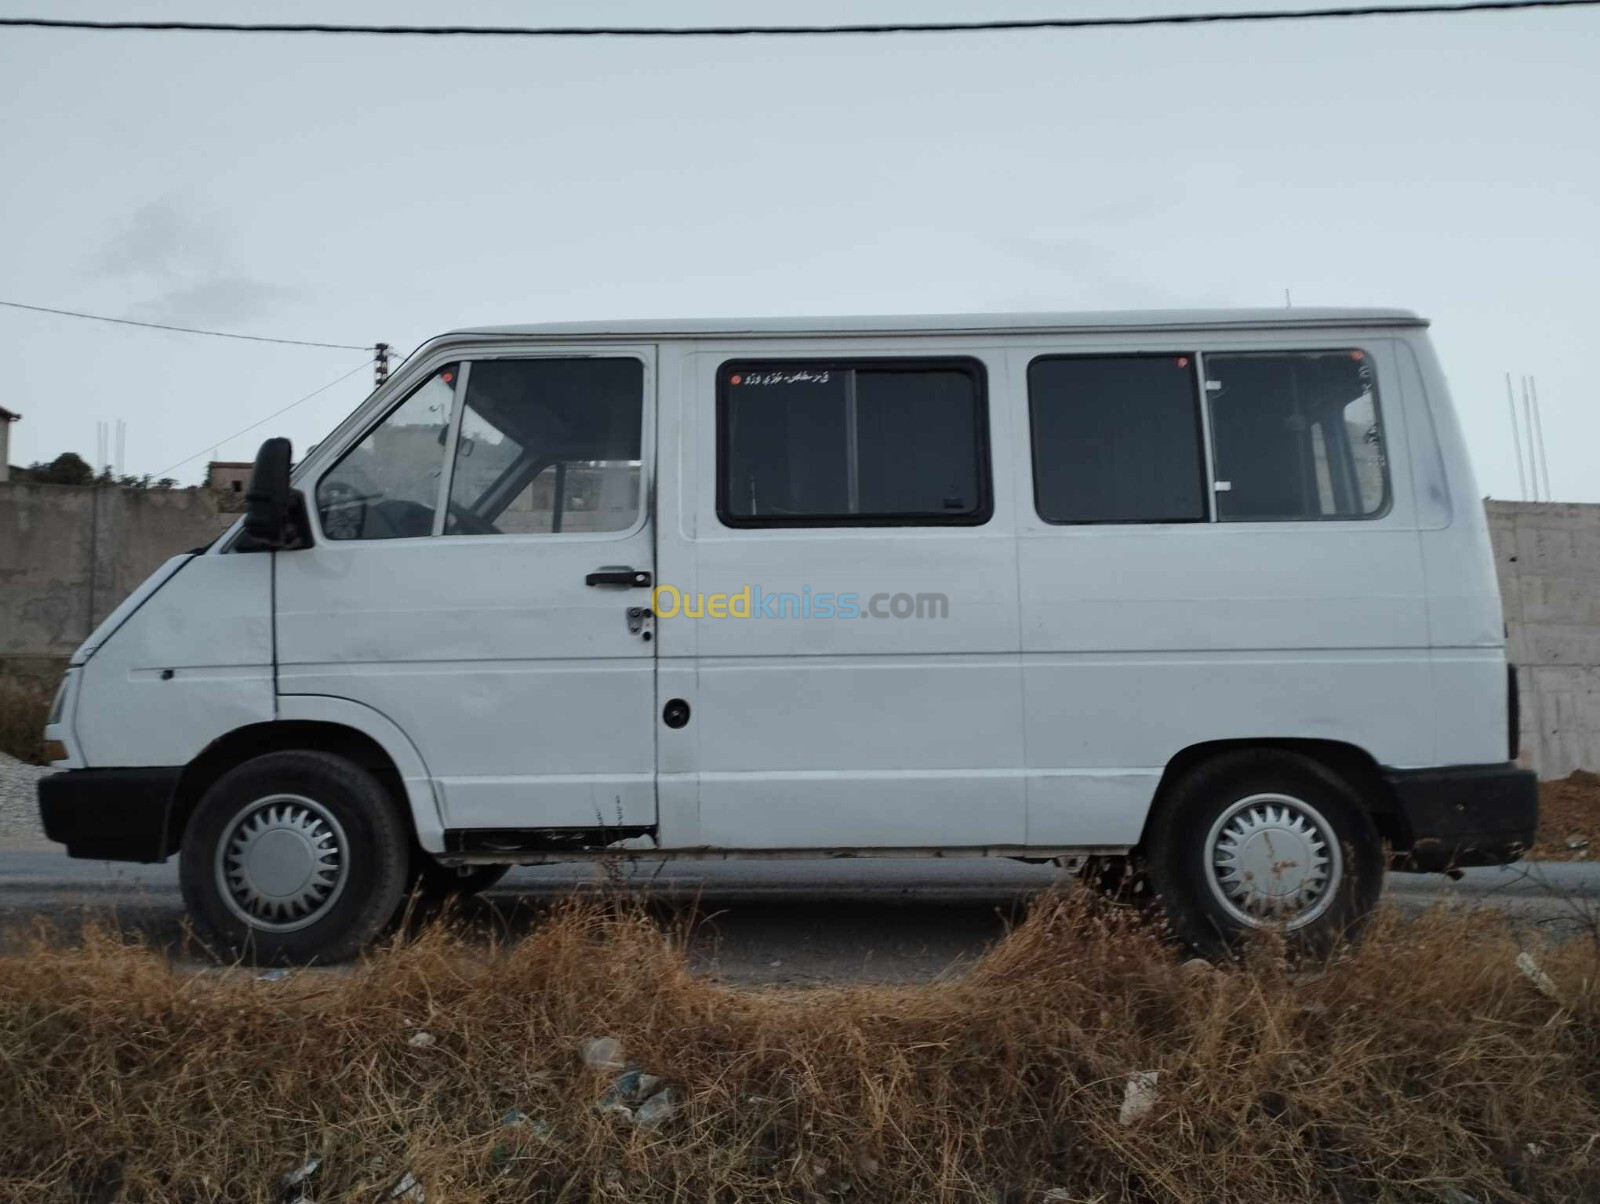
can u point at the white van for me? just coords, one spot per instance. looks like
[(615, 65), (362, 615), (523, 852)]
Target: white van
[(1210, 588)]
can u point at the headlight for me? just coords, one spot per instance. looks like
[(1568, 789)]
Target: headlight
[(59, 705)]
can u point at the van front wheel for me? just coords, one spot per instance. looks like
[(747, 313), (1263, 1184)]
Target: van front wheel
[(294, 857), (1264, 839)]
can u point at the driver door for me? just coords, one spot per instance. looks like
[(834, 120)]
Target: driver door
[(467, 582)]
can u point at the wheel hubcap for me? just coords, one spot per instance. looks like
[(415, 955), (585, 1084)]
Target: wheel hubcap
[(1273, 859), (282, 862)]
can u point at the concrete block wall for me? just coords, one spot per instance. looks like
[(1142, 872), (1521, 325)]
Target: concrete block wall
[(1547, 555), (69, 554)]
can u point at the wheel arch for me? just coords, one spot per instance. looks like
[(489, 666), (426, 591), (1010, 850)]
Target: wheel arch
[(319, 724), (1350, 762)]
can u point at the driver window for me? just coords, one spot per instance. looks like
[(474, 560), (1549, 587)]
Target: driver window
[(548, 446), (387, 486)]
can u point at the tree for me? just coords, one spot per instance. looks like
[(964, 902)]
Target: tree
[(68, 468)]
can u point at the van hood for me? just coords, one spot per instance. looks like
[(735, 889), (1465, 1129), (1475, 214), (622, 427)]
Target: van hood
[(131, 603)]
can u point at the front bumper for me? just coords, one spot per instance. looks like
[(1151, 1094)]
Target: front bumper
[(110, 814), (1464, 815)]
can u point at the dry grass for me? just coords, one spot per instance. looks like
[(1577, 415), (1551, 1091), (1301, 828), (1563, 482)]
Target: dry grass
[(25, 699), (1569, 818), (1421, 1062)]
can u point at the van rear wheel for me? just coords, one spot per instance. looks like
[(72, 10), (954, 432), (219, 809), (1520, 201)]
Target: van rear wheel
[(1264, 839), (294, 857)]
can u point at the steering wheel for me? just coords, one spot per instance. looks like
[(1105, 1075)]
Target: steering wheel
[(343, 510), (469, 523)]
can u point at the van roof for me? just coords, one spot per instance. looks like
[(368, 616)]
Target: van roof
[(1020, 323)]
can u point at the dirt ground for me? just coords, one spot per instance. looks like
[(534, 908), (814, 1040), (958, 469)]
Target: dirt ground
[(1569, 818)]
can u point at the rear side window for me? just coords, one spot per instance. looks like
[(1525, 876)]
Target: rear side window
[(1296, 435), (1116, 439), (814, 443)]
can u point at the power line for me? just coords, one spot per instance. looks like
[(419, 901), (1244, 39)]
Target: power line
[(216, 334), (739, 31), (262, 422)]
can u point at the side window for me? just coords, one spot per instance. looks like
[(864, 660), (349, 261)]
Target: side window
[(387, 486), (812, 443), (1116, 439), (1296, 435), (548, 446)]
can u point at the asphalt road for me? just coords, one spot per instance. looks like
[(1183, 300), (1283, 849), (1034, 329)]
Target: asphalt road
[(793, 922)]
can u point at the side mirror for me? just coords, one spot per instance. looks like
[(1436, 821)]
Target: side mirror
[(274, 514)]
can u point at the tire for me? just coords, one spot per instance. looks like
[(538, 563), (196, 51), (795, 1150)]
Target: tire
[(295, 857), (435, 881), (1263, 839)]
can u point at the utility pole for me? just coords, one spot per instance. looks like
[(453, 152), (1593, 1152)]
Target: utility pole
[(1538, 427), (1533, 443), (1516, 439), (380, 364)]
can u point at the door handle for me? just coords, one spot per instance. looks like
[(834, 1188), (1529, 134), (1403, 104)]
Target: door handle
[(619, 574)]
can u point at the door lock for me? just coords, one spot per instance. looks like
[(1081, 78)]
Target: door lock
[(638, 616)]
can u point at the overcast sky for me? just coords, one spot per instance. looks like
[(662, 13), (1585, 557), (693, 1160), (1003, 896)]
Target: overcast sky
[(356, 189)]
